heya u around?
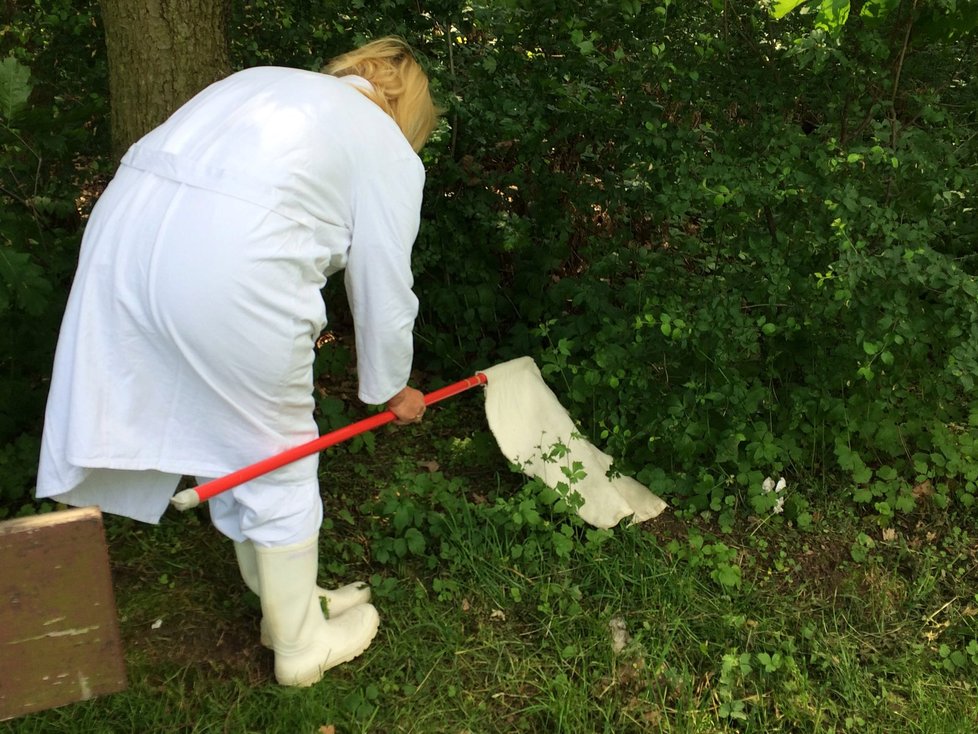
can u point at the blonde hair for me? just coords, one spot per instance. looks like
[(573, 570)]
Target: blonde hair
[(400, 86)]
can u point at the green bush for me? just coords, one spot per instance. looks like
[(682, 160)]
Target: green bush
[(739, 247)]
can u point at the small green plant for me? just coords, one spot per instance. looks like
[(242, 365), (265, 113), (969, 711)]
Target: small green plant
[(957, 660), (862, 548), (719, 560), (733, 668)]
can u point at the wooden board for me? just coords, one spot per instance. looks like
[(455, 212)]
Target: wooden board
[(59, 635)]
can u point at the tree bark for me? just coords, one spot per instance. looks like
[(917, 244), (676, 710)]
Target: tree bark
[(161, 53)]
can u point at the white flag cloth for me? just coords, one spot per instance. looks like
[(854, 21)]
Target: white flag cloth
[(528, 422)]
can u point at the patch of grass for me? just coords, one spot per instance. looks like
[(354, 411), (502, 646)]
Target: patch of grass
[(503, 613)]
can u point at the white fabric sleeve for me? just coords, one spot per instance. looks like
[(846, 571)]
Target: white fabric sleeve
[(386, 218)]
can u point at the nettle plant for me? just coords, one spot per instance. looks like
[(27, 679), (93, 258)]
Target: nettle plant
[(443, 524)]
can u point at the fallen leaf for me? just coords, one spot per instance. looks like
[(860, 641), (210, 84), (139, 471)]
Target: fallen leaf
[(924, 489), (431, 466)]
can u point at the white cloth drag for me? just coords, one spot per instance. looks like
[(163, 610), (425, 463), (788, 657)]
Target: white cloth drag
[(529, 422), (187, 343)]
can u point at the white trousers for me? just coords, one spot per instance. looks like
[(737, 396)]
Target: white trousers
[(268, 511)]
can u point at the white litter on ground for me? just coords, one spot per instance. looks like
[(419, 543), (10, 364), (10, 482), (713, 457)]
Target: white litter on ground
[(529, 422), (619, 634)]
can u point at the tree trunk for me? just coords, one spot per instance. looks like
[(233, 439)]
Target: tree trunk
[(161, 53)]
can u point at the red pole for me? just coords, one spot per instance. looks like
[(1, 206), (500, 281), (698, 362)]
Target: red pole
[(206, 491)]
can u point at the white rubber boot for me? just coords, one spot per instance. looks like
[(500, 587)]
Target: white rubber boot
[(306, 644), (337, 600)]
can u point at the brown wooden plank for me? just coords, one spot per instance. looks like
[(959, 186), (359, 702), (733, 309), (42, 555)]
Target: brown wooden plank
[(59, 634)]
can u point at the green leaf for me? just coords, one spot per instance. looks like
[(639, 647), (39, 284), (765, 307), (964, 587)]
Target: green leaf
[(727, 575), (562, 545), (862, 475), (15, 87), (832, 15), (887, 473), (780, 8), (878, 8), (415, 541), (905, 503), (862, 495)]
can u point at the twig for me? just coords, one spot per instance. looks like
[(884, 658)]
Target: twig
[(894, 123), (451, 69)]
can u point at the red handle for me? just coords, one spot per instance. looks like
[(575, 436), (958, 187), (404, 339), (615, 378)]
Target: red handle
[(209, 489)]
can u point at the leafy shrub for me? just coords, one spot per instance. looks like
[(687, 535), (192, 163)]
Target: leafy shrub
[(739, 247), (721, 283)]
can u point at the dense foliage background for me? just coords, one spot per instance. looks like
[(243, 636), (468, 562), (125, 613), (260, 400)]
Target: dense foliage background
[(739, 246)]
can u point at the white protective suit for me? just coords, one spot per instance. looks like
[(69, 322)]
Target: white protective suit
[(187, 344)]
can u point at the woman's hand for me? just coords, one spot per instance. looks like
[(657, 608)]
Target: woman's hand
[(408, 405)]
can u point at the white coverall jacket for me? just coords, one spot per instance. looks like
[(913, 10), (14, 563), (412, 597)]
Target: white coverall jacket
[(187, 344)]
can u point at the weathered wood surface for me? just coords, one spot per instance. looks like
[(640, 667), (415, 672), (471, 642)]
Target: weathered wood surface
[(59, 635)]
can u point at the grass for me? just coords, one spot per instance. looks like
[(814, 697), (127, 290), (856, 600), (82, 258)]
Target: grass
[(497, 615)]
